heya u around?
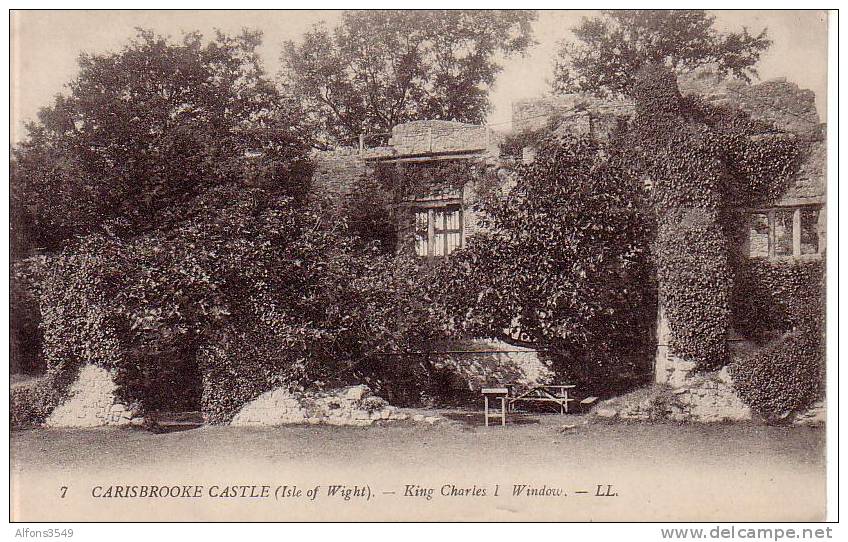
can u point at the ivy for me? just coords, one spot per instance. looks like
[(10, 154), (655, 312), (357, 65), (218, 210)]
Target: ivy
[(705, 162), (776, 297), (411, 180), (692, 272), (786, 376)]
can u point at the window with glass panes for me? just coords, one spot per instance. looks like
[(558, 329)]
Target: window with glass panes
[(438, 230), (784, 232)]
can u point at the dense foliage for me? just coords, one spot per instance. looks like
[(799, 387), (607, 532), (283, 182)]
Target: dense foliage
[(247, 295), (144, 131), (782, 305), (786, 376), (693, 276), (561, 262), (687, 195), (31, 402), (774, 297), (380, 68), (611, 49), (704, 163)]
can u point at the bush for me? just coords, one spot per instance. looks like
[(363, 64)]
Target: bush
[(247, 295), (31, 402), (785, 376)]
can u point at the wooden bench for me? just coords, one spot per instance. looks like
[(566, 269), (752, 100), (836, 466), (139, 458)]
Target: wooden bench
[(548, 394)]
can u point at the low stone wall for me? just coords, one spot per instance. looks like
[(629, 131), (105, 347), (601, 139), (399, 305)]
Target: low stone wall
[(348, 406), (497, 363), (91, 402)]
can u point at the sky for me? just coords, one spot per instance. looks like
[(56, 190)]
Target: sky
[(46, 44)]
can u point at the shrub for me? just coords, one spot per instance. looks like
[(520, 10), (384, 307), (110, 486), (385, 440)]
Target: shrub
[(785, 376), (239, 367), (31, 402), (143, 306)]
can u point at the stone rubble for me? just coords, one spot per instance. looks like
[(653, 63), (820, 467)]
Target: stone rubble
[(351, 406), (91, 402), (700, 397)]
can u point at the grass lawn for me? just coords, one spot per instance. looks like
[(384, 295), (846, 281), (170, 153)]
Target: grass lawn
[(730, 472)]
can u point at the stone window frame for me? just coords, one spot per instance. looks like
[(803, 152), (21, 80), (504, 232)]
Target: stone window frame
[(432, 206), (771, 213)]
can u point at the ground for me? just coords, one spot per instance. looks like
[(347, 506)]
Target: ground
[(664, 472)]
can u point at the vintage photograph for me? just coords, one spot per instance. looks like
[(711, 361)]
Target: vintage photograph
[(418, 265)]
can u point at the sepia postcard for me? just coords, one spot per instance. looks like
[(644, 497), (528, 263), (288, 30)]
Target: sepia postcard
[(420, 265)]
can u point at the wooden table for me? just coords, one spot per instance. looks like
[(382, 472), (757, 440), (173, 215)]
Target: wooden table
[(497, 394), (548, 394)]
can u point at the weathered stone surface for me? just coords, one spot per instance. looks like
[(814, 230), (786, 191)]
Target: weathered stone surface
[(337, 173), (577, 113), (777, 101), (91, 402), (356, 393), (354, 405), (426, 136)]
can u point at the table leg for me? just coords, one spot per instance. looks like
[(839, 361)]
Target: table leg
[(503, 411), (486, 409)]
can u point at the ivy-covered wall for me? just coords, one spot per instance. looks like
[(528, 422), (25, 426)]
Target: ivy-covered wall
[(707, 157)]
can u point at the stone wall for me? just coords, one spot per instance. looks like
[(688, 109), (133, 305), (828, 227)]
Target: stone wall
[(496, 364), (708, 397), (578, 114), (668, 368), (778, 101), (703, 397), (336, 173), (439, 136), (354, 406), (91, 402), (810, 184)]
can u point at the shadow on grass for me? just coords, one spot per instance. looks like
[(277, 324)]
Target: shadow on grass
[(475, 419)]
